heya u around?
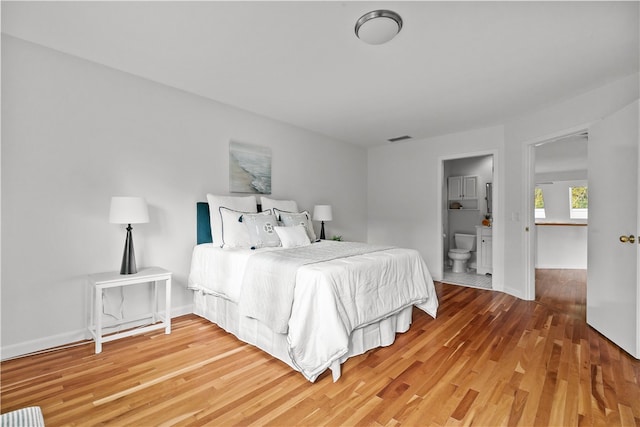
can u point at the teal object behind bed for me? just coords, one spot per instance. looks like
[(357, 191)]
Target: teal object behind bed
[(203, 223)]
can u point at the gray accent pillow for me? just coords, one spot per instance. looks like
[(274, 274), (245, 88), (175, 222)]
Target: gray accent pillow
[(298, 218), (261, 230)]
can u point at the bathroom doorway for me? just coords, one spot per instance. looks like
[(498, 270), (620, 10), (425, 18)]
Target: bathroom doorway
[(467, 214)]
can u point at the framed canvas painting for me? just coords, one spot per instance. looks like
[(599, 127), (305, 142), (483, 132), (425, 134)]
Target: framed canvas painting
[(249, 168)]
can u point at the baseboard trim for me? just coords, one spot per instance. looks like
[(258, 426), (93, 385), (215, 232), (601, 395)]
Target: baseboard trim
[(561, 267), (41, 344), (514, 292)]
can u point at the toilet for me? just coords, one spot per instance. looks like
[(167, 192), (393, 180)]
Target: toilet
[(465, 244)]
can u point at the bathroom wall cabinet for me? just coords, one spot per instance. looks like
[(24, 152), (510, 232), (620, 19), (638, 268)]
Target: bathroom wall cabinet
[(463, 187), (463, 191), (485, 250)]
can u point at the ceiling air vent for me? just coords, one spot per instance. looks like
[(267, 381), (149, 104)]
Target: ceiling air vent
[(399, 138)]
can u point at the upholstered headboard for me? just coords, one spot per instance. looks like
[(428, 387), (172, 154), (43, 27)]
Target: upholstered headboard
[(203, 223)]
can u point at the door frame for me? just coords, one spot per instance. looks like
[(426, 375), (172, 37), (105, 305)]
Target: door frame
[(638, 269), (497, 278), (528, 166)]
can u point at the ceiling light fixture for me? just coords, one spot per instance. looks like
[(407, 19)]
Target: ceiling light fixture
[(378, 26)]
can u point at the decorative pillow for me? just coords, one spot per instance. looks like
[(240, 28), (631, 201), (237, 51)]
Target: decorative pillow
[(297, 218), (244, 204), (293, 237), (234, 232), (261, 229), (283, 205)]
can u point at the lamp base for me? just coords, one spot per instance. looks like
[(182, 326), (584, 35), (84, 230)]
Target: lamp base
[(128, 257), (322, 230)]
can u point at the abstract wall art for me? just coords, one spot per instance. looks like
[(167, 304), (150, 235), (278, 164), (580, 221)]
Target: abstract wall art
[(249, 168)]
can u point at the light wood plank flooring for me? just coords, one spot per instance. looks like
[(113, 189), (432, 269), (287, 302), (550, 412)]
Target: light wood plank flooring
[(563, 290), (488, 359)]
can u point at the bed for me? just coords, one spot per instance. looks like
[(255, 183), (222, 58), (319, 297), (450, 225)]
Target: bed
[(312, 305)]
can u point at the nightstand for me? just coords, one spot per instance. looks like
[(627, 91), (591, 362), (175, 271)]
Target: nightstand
[(99, 282)]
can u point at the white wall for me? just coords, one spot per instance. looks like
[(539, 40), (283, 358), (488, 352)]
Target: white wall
[(76, 133), (555, 120), (561, 246), (405, 187)]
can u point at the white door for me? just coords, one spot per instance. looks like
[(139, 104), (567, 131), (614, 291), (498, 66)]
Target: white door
[(613, 284)]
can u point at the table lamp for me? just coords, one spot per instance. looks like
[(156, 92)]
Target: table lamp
[(322, 213), (128, 210)]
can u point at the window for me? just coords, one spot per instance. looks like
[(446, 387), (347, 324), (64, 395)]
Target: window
[(539, 204), (579, 202)]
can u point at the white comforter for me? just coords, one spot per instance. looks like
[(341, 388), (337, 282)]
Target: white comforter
[(271, 276), (330, 299)]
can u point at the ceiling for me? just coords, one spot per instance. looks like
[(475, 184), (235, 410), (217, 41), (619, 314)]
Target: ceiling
[(454, 66)]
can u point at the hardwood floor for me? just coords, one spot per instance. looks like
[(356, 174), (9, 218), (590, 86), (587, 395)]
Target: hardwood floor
[(488, 359), (563, 290)]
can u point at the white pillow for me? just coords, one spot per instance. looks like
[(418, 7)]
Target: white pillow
[(283, 205), (293, 237), (244, 204), (234, 233), (297, 218), (261, 228)]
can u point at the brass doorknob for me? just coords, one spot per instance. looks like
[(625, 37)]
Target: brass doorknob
[(631, 239)]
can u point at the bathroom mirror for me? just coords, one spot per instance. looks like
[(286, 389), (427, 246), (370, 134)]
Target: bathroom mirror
[(489, 196)]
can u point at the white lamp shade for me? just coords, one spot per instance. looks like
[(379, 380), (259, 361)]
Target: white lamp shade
[(128, 210), (322, 213)]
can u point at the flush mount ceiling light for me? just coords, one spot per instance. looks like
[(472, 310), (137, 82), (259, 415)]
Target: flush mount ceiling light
[(378, 26)]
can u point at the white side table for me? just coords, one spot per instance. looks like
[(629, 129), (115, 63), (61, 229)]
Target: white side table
[(99, 282)]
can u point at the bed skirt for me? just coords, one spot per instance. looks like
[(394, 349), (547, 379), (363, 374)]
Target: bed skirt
[(225, 314)]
